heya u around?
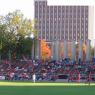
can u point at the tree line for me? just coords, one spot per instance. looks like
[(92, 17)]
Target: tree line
[(15, 30)]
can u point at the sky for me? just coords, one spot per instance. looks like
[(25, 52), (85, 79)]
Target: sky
[(27, 6)]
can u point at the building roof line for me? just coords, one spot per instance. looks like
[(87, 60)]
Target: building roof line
[(40, 0)]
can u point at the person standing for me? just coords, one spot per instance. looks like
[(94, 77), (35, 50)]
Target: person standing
[(89, 77), (79, 77), (34, 78)]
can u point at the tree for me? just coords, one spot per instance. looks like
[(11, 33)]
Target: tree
[(45, 50), (2, 38), (84, 50), (16, 29)]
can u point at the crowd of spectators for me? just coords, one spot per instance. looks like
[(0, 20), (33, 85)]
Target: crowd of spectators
[(49, 70)]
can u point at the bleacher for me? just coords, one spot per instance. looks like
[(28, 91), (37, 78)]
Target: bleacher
[(47, 71)]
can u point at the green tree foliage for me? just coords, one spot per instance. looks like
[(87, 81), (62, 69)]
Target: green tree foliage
[(13, 30)]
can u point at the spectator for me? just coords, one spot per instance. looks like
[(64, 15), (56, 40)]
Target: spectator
[(34, 78)]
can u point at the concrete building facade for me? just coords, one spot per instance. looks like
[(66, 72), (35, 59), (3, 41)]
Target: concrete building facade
[(64, 23)]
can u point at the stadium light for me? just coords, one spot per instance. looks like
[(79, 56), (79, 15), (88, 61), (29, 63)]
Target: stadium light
[(32, 51)]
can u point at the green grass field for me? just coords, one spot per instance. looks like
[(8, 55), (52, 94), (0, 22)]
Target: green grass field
[(29, 88)]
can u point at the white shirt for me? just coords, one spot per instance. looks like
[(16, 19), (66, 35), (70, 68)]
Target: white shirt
[(34, 77)]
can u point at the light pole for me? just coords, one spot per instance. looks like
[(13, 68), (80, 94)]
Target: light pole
[(32, 50)]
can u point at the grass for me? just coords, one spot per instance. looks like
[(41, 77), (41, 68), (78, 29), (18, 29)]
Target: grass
[(29, 88)]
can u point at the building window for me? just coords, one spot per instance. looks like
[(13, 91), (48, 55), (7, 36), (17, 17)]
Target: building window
[(63, 18), (86, 24), (47, 34), (78, 24), (51, 18), (82, 24), (86, 29), (78, 34), (82, 34), (40, 3), (86, 18), (55, 19), (59, 18), (74, 29), (86, 35), (74, 34), (70, 21)]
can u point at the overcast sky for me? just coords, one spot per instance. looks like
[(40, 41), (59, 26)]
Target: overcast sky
[(26, 6)]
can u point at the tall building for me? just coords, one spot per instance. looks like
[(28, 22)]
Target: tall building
[(66, 24), (63, 22)]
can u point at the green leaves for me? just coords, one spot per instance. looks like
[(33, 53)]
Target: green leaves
[(13, 30), (1, 45)]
